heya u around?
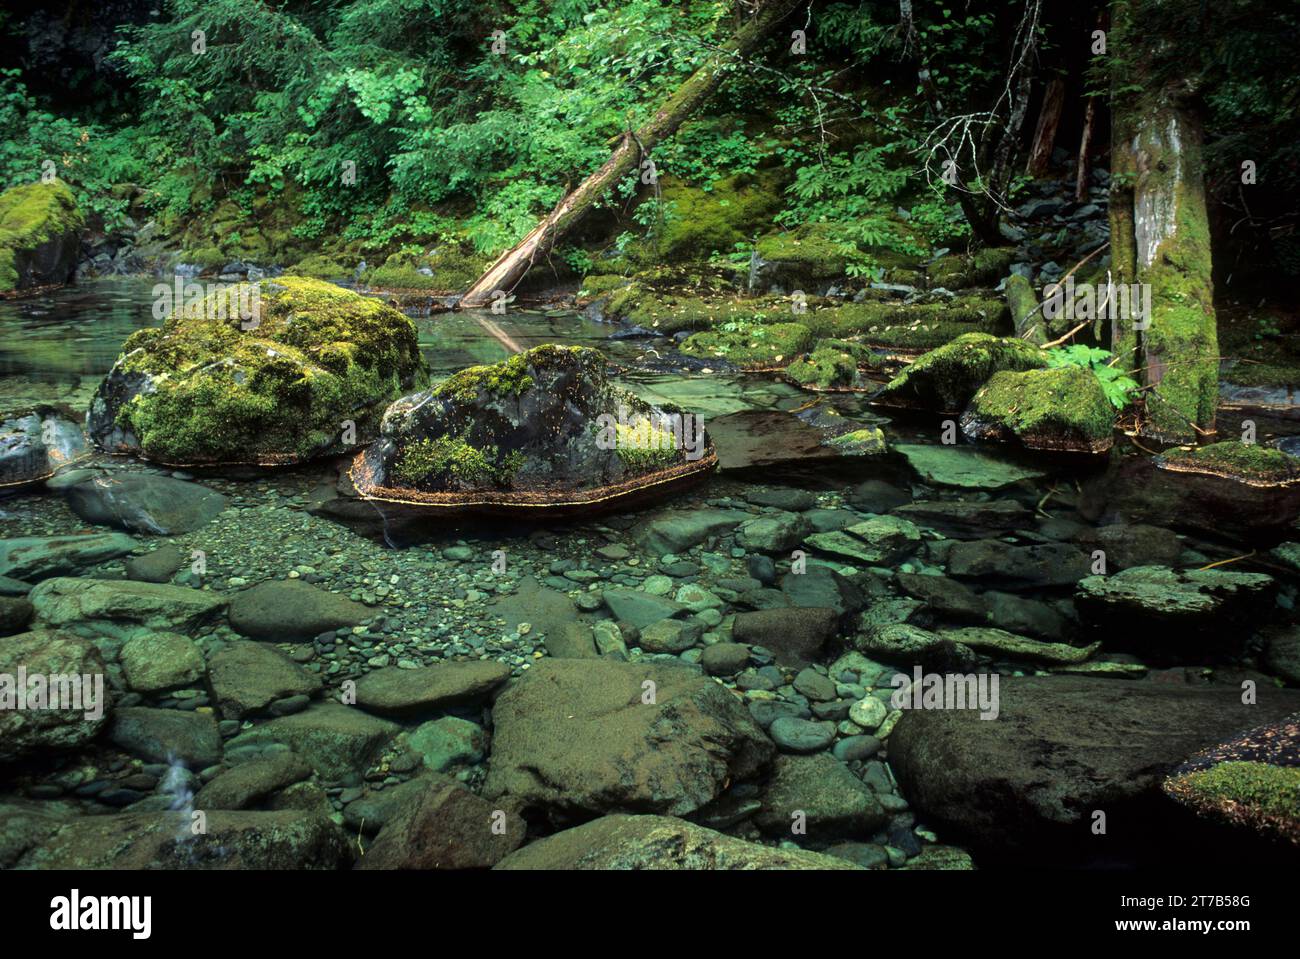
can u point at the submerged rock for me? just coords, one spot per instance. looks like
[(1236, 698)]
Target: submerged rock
[(542, 429), (963, 467), (36, 443), (248, 783), (153, 662), (944, 380), (248, 677), (444, 826), (576, 738), (1062, 409), (1158, 611), (40, 236), (658, 842), (1239, 490), (1062, 748), (281, 610), (167, 735), (409, 692), (39, 557), (287, 839), (309, 374), (37, 730), (339, 742), (835, 803), (142, 502), (65, 600)]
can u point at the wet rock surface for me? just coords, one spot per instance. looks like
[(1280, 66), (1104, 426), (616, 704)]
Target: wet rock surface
[(1029, 778)]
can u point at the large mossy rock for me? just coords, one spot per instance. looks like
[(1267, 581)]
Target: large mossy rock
[(1062, 409), (945, 379), (35, 443), (544, 428), (40, 236), (577, 738), (310, 376), (832, 365), (1025, 788)]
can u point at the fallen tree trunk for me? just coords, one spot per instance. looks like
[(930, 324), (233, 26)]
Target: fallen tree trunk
[(510, 267), (1160, 240)]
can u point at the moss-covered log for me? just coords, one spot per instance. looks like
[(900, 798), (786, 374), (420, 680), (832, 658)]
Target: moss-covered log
[(1160, 236), (511, 266)]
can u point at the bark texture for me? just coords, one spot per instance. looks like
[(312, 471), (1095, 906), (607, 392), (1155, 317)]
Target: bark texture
[(1160, 236)]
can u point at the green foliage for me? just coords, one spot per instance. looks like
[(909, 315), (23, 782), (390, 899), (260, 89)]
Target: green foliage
[(1118, 386)]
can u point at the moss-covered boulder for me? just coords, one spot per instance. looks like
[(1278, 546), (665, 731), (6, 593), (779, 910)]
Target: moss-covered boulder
[(983, 268), (309, 374), (543, 429), (751, 346), (832, 365), (447, 269), (1062, 409), (35, 443), (318, 266), (40, 236), (806, 257), (1246, 463), (945, 379)]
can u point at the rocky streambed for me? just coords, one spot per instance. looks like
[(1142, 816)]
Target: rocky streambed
[(703, 681)]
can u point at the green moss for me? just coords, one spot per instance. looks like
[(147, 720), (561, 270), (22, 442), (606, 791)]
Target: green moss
[(833, 364), (866, 441), (911, 327), (598, 285), (644, 448), (985, 267), (751, 345), (319, 356), (700, 222), (1248, 461), (1063, 408), (451, 460), (508, 378), (209, 259), (1022, 304), (449, 270), (946, 378), (805, 253), (31, 215), (319, 267), (1246, 791)]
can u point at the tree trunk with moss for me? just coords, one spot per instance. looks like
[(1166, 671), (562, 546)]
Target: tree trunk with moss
[(1160, 237), (510, 267)]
